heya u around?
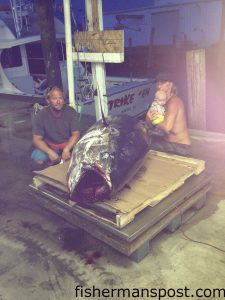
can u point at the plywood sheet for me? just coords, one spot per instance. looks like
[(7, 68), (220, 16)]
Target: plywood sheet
[(159, 177), (55, 175)]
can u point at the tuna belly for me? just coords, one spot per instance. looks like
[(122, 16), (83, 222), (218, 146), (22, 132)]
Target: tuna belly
[(92, 187)]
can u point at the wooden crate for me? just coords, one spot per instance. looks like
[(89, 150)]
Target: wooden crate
[(160, 175), (133, 240)]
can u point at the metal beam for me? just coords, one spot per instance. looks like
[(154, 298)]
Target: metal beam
[(69, 59)]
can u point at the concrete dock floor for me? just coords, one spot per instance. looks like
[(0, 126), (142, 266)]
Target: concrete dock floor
[(44, 257)]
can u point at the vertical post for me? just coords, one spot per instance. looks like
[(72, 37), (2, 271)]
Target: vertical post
[(69, 59), (174, 54), (24, 59), (195, 61), (220, 59), (95, 23), (45, 15), (150, 57), (130, 58)]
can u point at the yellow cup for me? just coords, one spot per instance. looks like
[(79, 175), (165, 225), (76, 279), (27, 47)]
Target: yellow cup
[(158, 120)]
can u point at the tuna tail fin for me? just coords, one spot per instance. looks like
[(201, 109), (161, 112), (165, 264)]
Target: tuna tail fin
[(155, 131), (150, 129)]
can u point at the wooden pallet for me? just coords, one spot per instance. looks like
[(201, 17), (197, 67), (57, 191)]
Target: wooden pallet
[(133, 239), (160, 176), (171, 222)]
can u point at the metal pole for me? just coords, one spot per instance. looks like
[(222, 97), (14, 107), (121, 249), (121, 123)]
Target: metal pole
[(69, 59)]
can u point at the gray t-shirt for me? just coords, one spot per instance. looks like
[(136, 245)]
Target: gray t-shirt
[(53, 129)]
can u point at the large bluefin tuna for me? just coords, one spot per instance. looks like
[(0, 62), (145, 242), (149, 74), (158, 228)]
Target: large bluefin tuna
[(106, 158)]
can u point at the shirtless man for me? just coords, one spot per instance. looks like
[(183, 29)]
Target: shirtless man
[(176, 137)]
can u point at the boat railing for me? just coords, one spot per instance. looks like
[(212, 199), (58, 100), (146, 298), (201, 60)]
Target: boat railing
[(20, 11)]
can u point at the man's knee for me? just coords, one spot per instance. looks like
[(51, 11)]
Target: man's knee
[(39, 160), (38, 156), (185, 151)]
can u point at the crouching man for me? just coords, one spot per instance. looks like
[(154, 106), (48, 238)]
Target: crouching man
[(55, 131)]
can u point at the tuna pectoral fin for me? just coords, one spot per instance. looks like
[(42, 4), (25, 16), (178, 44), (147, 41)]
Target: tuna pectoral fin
[(132, 172), (92, 187)]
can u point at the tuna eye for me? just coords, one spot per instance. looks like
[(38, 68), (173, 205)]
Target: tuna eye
[(105, 155)]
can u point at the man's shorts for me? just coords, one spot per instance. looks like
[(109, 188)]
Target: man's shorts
[(159, 144), (42, 156)]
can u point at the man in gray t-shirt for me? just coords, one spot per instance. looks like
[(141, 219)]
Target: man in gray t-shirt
[(55, 131)]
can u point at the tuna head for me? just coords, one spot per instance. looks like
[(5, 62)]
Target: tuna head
[(90, 166), (103, 158)]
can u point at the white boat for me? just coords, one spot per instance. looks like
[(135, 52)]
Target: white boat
[(22, 67), (21, 60)]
